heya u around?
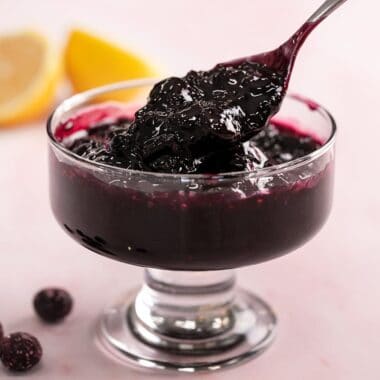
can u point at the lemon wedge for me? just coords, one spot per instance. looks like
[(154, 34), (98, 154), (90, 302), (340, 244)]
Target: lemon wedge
[(30, 70), (91, 61)]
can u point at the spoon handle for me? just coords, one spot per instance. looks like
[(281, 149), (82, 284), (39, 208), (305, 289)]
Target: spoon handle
[(325, 10)]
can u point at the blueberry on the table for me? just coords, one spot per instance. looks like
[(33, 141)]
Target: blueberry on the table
[(53, 304), (20, 351)]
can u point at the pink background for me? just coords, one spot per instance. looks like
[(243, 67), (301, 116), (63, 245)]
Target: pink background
[(326, 294)]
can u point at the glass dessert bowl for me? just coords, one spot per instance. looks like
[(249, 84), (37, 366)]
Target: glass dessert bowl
[(190, 231)]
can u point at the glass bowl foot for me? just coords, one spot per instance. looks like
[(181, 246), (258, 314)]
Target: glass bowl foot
[(207, 339)]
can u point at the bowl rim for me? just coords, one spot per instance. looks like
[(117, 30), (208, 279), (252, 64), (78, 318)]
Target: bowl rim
[(80, 98)]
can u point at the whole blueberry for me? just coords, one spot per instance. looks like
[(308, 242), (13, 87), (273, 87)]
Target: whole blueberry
[(53, 304), (20, 351)]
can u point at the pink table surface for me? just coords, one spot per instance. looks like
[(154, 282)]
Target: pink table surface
[(326, 293)]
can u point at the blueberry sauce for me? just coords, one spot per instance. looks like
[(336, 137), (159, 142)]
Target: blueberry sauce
[(191, 123), (141, 220), (273, 145)]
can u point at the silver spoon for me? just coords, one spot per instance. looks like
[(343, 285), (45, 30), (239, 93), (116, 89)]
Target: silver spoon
[(282, 59)]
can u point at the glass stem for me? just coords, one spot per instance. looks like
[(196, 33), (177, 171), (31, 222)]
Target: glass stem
[(174, 305)]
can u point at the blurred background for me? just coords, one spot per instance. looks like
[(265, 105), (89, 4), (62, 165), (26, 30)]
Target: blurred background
[(331, 288)]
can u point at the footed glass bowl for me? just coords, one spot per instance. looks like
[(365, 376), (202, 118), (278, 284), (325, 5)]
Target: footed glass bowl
[(190, 232)]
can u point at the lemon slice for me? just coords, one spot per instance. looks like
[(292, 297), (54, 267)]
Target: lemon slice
[(92, 61), (29, 74)]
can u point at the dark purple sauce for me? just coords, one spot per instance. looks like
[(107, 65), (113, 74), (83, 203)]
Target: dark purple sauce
[(216, 226), (190, 123), (276, 144)]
